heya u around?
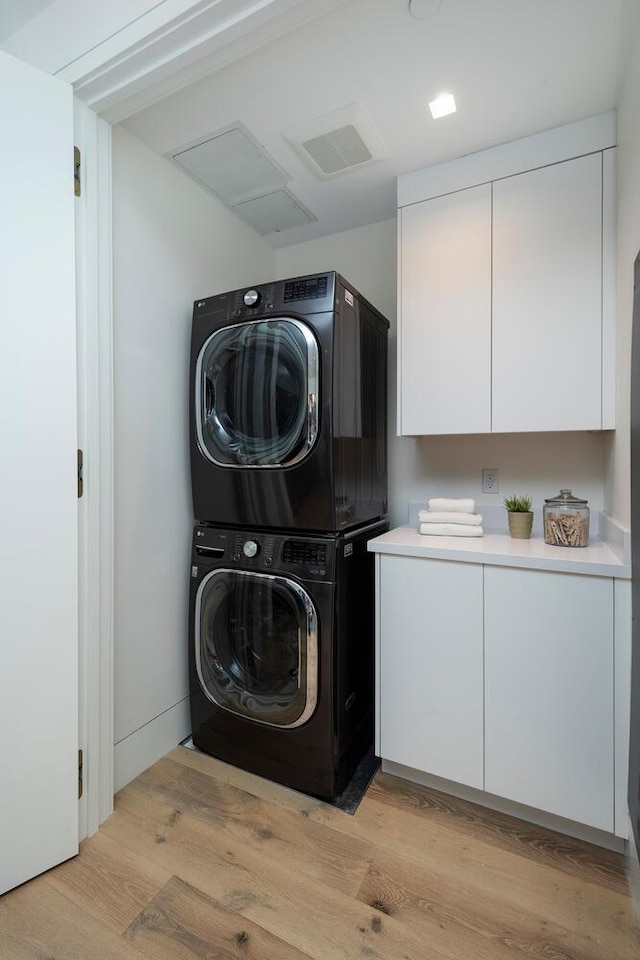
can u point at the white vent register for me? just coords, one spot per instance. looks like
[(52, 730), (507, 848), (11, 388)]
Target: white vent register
[(232, 164), (338, 142)]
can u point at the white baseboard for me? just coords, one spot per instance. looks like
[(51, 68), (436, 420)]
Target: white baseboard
[(530, 814), (149, 743)]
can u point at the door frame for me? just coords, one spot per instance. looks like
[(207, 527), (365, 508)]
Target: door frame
[(94, 319), (157, 54)]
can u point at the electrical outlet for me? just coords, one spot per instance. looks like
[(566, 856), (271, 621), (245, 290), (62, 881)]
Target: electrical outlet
[(490, 480)]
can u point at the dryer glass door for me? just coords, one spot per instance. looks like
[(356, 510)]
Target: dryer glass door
[(256, 646), (257, 394)]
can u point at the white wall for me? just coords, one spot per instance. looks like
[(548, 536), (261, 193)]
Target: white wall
[(173, 243), (618, 479), (538, 464)]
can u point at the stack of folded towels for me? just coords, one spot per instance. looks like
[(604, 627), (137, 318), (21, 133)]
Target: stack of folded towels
[(450, 518)]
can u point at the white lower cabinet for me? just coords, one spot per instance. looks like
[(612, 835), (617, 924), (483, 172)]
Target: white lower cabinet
[(430, 667), (502, 679), (549, 692)]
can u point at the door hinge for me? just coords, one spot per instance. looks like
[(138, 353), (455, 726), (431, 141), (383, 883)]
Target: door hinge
[(80, 477), (77, 161), (80, 773)]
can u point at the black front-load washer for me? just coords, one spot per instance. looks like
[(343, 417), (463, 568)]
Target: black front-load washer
[(288, 397), (282, 652)]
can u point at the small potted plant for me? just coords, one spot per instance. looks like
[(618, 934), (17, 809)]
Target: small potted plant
[(520, 516)]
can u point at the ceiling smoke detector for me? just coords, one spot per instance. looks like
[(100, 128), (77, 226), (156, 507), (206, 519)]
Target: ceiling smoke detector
[(423, 9), (338, 142)]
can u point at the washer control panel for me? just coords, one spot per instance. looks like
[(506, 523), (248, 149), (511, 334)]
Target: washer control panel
[(305, 557), (251, 548), (308, 554)]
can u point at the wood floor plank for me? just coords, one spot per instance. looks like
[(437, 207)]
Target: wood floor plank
[(441, 828), (462, 921), (521, 883), (314, 917), (39, 923), (108, 882), (305, 846), (198, 853), (574, 857), (250, 783), (182, 923)]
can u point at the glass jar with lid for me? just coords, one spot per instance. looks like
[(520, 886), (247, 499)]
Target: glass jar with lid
[(566, 520)]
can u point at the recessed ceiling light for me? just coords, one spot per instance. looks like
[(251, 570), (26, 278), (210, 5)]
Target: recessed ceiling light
[(442, 105)]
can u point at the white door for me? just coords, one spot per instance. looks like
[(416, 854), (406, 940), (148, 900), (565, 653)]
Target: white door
[(38, 505)]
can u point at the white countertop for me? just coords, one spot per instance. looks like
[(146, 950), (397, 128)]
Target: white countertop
[(498, 549)]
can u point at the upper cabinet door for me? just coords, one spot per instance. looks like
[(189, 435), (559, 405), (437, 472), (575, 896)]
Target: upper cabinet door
[(547, 298), (444, 339)]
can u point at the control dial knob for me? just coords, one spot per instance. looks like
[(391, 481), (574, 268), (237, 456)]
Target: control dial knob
[(251, 548), (251, 298)]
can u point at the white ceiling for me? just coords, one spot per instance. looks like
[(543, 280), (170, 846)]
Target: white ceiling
[(515, 66), (15, 13)]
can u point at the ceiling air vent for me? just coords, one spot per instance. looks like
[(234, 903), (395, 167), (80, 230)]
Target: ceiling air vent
[(273, 212), (239, 171), (338, 142), (232, 164)]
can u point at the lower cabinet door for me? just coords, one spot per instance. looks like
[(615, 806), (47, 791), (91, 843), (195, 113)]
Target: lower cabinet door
[(431, 698), (549, 692)]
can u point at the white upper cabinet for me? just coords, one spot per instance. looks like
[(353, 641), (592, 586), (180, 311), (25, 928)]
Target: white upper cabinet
[(505, 288), (445, 338), (547, 298)]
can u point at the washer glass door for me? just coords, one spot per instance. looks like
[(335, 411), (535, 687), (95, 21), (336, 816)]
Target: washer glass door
[(257, 394), (256, 646)]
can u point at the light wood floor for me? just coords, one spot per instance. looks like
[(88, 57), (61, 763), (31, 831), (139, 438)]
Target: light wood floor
[(201, 861)]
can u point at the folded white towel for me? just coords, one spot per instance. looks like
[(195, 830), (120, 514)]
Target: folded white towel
[(427, 516), (451, 530), (442, 505)]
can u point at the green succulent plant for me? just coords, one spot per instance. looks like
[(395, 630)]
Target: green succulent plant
[(516, 504)]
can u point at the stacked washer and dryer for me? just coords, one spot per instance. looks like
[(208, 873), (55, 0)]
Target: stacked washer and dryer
[(288, 398)]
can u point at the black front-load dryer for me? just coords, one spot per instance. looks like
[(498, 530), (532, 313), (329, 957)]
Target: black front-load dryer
[(288, 395), (282, 653)]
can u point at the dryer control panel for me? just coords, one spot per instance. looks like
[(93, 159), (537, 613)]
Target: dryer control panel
[(303, 295)]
